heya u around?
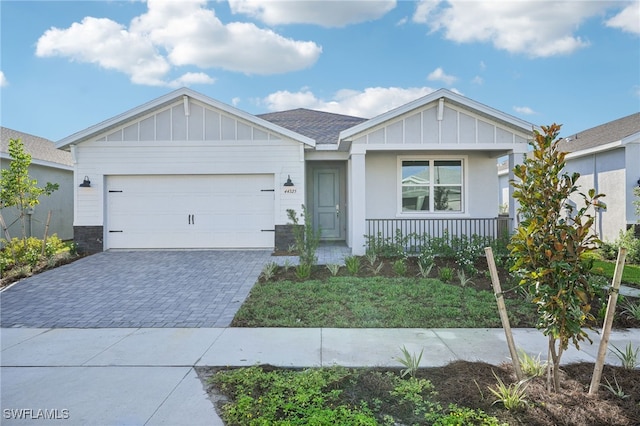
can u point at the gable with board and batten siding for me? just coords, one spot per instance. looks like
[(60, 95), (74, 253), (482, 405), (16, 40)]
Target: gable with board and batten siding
[(218, 169)]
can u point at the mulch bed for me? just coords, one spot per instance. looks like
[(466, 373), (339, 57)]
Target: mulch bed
[(466, 384)]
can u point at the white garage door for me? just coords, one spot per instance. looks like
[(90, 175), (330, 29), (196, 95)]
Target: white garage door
[(212, 211)]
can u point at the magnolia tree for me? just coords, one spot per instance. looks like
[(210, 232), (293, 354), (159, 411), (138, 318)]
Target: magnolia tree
[(17, 189), (549, 242)]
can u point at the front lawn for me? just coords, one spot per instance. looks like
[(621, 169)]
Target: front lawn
[(388, 297), (630, 273), (376, 302)]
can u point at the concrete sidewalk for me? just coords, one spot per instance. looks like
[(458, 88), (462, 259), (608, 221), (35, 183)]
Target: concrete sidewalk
[(146, 376)]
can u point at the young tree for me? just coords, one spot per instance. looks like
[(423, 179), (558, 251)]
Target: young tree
[(17, 189), (549, 242)]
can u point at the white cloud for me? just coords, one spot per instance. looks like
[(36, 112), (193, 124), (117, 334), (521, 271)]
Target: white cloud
[(524, 110), (108, 44), (192, 78), (534, 28), (175, 34), (3, 80), (439, 75), (193, 35), (477, 80), (323, 13), (368, 103), (628, 19)]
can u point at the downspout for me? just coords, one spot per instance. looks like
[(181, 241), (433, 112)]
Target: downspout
[(599, 212)]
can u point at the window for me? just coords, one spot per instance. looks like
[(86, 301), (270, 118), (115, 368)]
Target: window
[(430, 185)]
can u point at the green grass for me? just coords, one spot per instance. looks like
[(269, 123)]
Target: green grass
[(376, 302), (630, 273)]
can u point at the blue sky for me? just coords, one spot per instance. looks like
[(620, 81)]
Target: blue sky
[(68, 65)]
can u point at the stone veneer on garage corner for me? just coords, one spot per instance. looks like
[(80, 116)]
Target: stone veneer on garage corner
[(88, 239)]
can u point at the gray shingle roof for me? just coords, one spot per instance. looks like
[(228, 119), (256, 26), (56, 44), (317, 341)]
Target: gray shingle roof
[(612, 131), (41, 149), (323, 127)]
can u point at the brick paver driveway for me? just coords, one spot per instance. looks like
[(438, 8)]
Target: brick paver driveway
[(136, 289)]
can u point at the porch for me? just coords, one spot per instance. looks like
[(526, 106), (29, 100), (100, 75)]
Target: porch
[(412, 232)]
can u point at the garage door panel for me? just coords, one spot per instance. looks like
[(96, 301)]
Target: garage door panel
[(213, 211)]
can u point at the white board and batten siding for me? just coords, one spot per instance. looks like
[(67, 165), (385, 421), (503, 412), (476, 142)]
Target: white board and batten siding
[(223, 170), (456, 127)]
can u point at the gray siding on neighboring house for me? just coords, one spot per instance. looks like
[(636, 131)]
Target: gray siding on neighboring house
[(48, 164), (608, 159), (604, 172)]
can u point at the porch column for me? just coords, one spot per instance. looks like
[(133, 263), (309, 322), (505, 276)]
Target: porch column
[(513, 204), (357, 189)]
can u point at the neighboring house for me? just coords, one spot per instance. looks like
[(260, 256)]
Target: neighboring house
[(48, 164), (608, 160), (504, 196), (187, 171)]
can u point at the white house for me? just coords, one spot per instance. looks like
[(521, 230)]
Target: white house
[(48, 164), (187, 171)]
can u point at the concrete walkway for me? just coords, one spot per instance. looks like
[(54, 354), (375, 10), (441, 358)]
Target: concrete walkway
[(143, 376)]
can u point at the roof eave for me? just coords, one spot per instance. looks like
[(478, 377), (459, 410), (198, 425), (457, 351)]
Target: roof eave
[(441, 93), (164, 100)]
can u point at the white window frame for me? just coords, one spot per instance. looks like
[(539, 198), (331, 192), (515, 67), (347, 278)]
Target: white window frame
[(432, 158)]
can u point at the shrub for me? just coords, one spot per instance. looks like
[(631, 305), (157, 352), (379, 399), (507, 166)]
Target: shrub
[(400, 267), (306, 238), (626, 239), (352, 264), (19, 252), (387, 247), (445, 274), (303, 271), (333, 269), (269, 270)]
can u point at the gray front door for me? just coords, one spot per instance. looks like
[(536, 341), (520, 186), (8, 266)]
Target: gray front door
[(328, 213)]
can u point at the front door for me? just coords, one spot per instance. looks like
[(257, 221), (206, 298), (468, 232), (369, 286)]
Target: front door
[(328, 213)]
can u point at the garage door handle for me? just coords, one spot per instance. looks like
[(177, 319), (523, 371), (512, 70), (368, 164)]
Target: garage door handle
[(192, 219)]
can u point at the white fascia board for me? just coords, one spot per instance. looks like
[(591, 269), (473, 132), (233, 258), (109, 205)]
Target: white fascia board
[(326, 147), (178, 94), (326, 156), (43, 163), (634, 138), (485, 147), (52, 165), (594, 150), (432, 97)]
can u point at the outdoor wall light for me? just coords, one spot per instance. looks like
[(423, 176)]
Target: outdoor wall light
[(86, 183), (288, 182)]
